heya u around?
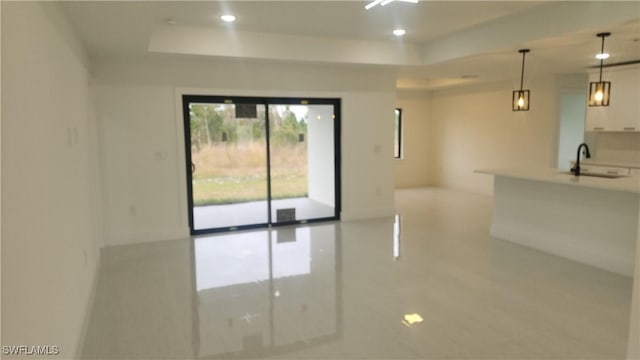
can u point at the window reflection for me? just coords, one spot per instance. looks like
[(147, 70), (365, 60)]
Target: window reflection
[(266, 291), (397, 236), (231, 260)]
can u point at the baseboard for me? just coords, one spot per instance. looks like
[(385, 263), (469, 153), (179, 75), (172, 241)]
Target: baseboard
[(146, 237), (367, 214)]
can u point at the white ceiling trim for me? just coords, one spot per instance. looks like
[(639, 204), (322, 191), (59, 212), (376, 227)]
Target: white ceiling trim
[(254, 45), (544, 21)]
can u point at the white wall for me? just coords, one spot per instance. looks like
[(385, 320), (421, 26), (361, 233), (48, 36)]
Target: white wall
[(617, 147), (50, 222), (475, 128), (142, 144), (139, 162), (415, 167), (634, 326), (320, 153)]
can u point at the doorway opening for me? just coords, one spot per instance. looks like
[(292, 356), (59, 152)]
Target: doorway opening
[(257, 162), (571, 127)]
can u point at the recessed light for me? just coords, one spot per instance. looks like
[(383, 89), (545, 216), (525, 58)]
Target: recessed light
[(228, 18), (399, 32), (602, 56)]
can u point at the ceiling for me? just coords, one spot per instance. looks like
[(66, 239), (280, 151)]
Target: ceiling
[(447, 42)]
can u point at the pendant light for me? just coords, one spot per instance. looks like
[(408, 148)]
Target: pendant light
[(599, 91), (520, 100)]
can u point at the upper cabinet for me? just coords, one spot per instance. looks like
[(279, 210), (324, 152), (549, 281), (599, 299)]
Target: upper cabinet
[(623, 112)]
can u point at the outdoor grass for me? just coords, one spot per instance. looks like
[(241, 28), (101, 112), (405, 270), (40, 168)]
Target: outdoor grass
[(233, 173)]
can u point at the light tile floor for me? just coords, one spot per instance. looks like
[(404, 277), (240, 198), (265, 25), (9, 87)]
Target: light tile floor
[(255, 212), (337, 290)]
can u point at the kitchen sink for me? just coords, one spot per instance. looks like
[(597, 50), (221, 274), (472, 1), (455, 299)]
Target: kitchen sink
[(606, 176)]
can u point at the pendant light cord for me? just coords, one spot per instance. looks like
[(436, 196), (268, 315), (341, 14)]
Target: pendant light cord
[(602, 35), (524, 52), (522, 73), (601, 59)]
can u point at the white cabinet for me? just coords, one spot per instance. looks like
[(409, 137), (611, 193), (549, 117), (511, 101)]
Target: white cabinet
[(599, 119), (623, 112), (627, 99)]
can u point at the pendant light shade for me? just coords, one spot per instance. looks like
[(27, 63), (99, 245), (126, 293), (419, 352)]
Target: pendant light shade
[(520, 101), (600, 91)]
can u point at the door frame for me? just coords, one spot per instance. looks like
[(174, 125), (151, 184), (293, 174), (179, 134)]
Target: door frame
[(266, 101)]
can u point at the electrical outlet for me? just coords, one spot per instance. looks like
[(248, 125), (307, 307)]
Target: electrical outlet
[(132, 210)]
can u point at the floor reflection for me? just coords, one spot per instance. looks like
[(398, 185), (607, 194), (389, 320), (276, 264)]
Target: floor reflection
[(267, 292), (335, 292), (397, 236)]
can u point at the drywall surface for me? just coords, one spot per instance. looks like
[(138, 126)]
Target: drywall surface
[(617, 147), (634, 326), (475, 128), (139, 110), (414, 169), (50, 235)]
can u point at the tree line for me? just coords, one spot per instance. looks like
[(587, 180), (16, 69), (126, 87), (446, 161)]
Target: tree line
[(216, 124)]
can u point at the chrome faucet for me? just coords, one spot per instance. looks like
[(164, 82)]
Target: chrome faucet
[(587, 155)]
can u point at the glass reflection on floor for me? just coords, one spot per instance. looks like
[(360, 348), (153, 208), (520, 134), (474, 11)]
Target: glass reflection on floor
[(397, 236), (267, 292)]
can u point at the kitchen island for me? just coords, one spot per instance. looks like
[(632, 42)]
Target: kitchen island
[(588, 219)]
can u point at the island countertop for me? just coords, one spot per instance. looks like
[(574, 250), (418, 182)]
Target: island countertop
[(634, 165), (587, 219), (628, 183)]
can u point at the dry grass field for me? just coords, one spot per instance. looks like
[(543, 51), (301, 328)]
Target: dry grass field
[(232, 173)]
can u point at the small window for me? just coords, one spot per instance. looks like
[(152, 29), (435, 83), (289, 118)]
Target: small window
[(397, 130)]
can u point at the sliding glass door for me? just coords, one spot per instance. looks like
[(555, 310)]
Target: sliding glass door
[(302, 161), (228, 164), (255, 162)]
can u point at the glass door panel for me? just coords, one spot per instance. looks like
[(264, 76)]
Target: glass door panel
[(302, 162), (228, 165)]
